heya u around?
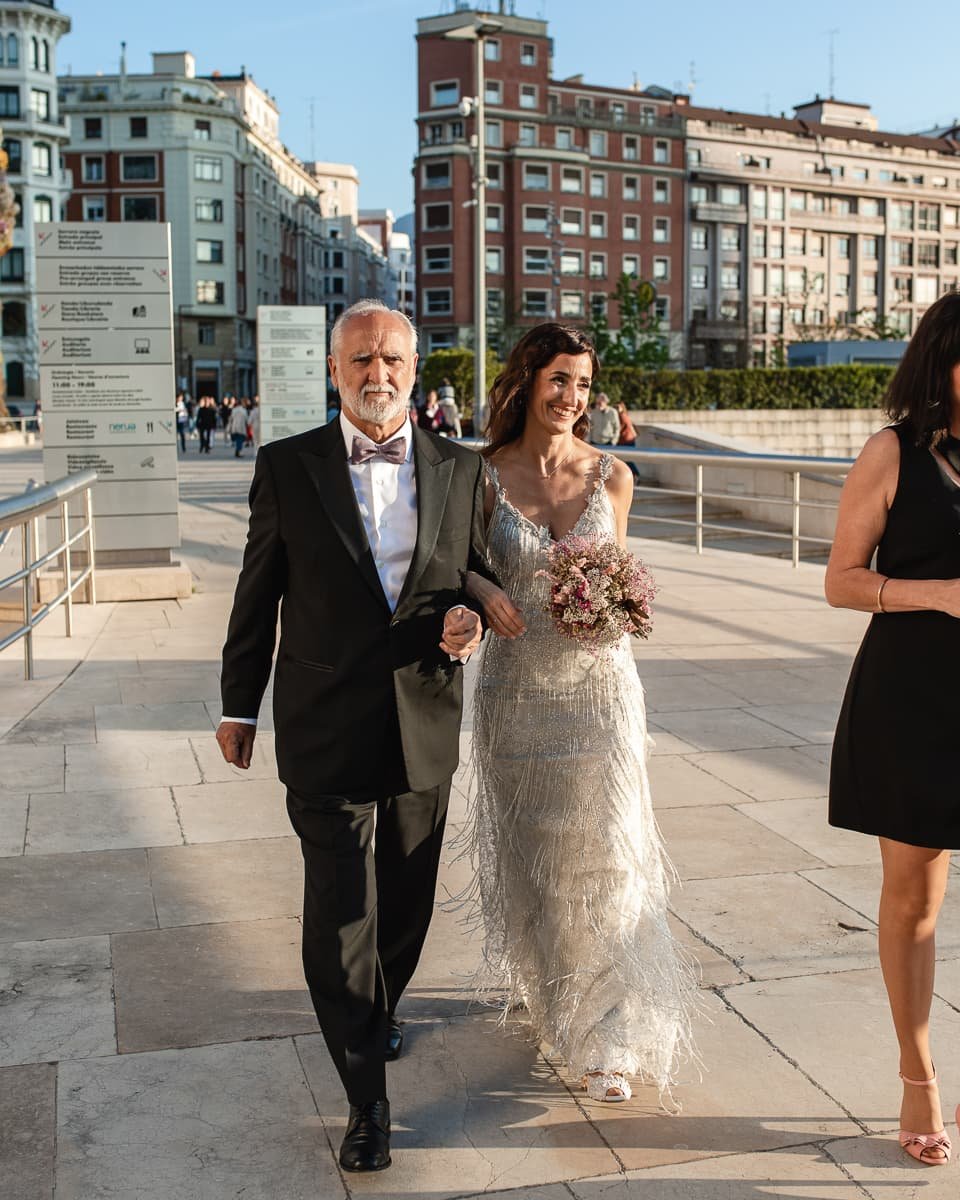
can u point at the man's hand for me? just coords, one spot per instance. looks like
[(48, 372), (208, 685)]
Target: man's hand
[(462, 632), (235, 740)]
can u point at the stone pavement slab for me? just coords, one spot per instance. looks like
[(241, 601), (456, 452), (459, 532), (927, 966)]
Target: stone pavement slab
[(130, 762), (778, 774), (117, 722), (804, 822), (213, 768), (884, 1172), (210, 983), (74, 895), (211, 1123), (693, 835), (243, 808), (39, 767), (56, 1000), (61, 822), (28, 1121), (676, 782), (13, 822), (723, 729)]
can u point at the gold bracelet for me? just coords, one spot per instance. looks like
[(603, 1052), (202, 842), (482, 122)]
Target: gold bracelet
[(883, 584)]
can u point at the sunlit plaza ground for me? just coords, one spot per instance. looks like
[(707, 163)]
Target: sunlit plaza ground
[(156, 1039)]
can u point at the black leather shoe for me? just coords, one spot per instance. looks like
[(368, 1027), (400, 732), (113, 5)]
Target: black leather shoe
[(366, 1144), (394, 1040)]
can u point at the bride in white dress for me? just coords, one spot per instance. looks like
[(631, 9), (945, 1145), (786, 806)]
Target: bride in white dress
[(572, 877)]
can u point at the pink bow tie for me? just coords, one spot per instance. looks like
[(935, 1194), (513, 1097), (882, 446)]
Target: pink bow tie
[(363, 450)]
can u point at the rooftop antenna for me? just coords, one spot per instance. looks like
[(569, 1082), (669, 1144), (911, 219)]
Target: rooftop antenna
[(313, 130), (766, 103), (123, 67), (832, 35), (693, 78)]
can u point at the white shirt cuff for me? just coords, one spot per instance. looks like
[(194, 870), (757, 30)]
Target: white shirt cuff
[(239, 720)]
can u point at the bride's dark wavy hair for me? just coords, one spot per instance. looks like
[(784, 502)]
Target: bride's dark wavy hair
[(510, 393), (920, 394)]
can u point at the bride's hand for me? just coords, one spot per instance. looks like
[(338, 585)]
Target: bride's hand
[(502, 615)]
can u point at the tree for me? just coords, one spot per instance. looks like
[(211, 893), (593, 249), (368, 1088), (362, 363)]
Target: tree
[(638, 342)]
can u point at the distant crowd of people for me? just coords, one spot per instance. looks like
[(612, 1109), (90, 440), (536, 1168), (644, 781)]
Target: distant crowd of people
[(237, 419)]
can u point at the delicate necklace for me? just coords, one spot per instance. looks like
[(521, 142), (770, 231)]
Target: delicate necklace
[(554, 470)]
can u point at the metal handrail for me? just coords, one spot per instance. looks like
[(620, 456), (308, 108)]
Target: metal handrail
[(26, 510), (798, 466)]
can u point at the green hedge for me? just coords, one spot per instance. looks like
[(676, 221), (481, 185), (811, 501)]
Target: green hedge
[(456, 365), (794, 387)]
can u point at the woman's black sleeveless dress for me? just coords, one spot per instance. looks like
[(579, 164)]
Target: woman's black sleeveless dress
[(895, 770)]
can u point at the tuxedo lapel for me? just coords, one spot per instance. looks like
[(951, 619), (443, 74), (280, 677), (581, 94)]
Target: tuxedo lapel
[(326, 464), (434, 472)]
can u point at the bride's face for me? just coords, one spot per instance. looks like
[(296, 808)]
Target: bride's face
[(560, 393)]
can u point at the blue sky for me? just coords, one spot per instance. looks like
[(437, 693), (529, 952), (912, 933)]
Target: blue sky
[(357, 60)]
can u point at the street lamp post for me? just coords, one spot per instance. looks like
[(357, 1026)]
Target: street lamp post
[(475, 106)]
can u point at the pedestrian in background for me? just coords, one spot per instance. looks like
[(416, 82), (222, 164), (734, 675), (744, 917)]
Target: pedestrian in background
[(183, 419), (447, 397), (628, 435), (604, 422), (207, 418), (237, 428)]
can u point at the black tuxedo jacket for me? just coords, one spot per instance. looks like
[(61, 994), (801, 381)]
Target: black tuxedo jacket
[(365, 701)]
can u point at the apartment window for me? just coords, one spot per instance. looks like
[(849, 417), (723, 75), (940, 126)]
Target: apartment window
[(206, 333), (9, 101), (202, 132), (494, 221), (571, 221), (444, 93), (14, 319), (630, 265), (571, 262), (869, 208), (868, 247), (795, 243), (760, 242), (661, 191), (661, 152), (598, 185), (92, 128), (775, 319), (208, 210), (528, 95), (491, 49), (41, 159), (901, 253), (815, 245), (494, 175), (775, 281), (598, 304), (437, 302), (454, 131), (928, 254), (94, 208), (598, 143), (564, 139), (436, 174), (631, 187), (758, 321), (868, 285), (528, 54), (730, 278), (777, 201), (11, 269), (571, 304), (584, 107), (902, 285), (536, 260), (492, 91), (13, 51), (699, 193), (694, 157), (435, 134), (698, 237), (535, 218), (631, 149), (951, 216), (436, 216), (527, 135), (758, 202), (571, 179), (40, 104), (140, 208), (209, 291), (950, 254), (816, 203), (661, 269), (598, 266), (797, 279), (494, 302), (494, 260), (209, 251), (631, 228), (729, 237), (210, 170), (698, 278), (42, 209), (841, 285), (93, 168), (598, 225), (438, 258), (536, 177), (775, 243), (759, 281), (901, 216), (928, 218), (843, 247), (535, 304), (730, 195), (661, 309), (925, 291), (661, 229)]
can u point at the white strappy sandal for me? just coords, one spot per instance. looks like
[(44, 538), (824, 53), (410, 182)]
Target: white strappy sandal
[(610, 1087)]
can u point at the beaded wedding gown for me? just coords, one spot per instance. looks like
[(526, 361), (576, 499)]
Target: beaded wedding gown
[(572, 879)]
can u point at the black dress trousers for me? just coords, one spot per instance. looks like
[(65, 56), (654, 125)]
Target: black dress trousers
[(370, 872)]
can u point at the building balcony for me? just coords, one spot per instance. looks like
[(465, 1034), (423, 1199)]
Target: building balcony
[(672, 126), (29, 122), (704, 329), (728, 214), (840, 222)]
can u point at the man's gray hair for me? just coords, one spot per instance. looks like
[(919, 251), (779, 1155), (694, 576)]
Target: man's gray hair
[(365, 308)]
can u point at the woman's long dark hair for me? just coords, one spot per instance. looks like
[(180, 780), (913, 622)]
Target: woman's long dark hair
[(920, 394), (510, 393)]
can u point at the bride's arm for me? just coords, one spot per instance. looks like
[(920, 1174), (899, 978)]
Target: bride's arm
[(620, 490), (501, 614)]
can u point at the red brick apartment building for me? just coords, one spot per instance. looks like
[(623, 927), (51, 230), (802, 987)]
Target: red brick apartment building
[(584, 183)]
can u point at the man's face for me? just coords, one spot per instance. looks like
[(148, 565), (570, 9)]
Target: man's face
[(374, 369)]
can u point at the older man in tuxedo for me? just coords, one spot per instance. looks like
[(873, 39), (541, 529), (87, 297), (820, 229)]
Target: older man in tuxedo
[(361, 534)]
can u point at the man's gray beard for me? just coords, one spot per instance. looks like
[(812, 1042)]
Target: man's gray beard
[(377, 412)]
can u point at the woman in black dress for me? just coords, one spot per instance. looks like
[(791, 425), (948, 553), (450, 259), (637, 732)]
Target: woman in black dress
[(896, 757)]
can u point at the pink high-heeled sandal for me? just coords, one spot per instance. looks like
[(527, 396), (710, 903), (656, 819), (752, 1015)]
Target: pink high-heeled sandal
[(919, 1144)]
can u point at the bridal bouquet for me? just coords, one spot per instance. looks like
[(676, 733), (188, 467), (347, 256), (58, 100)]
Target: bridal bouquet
[(598, 592)]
